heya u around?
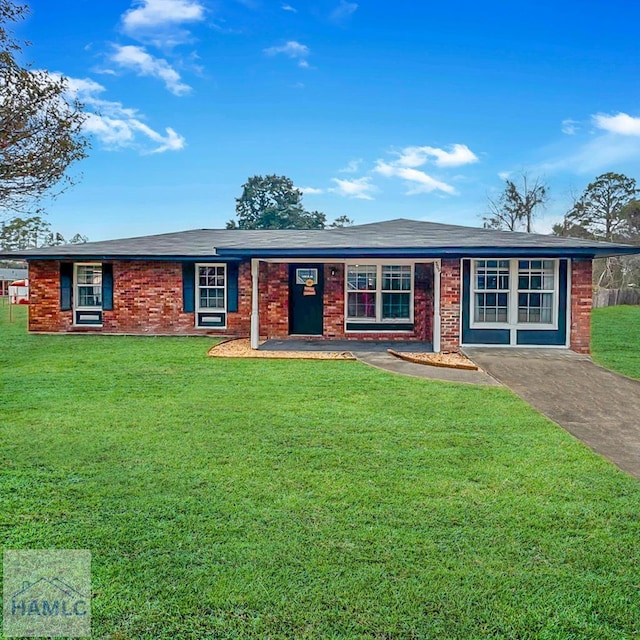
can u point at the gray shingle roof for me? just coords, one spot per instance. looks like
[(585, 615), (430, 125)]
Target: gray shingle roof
[(393, 237)]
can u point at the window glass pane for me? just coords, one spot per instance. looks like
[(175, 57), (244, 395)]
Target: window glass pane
[(89, 274), (362, 277), (492, 275), (361, 305), (535, 308), (89, 296), (303, 275), (212, 298), (396, 305), (491, 307), (396, 278)]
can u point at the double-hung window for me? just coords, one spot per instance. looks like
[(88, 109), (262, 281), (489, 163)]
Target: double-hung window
[(536, 291), (396, 292), (88, 293), (379, 293), (362, 291), (211, 295), (491, 291)]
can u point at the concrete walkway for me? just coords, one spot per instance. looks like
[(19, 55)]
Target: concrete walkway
[(384, 360), (597, 406)]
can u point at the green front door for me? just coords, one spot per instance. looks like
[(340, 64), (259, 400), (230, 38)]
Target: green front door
[(306, 286)]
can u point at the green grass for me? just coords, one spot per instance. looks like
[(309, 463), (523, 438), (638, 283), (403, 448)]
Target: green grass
[(307, 499), (615, 338)]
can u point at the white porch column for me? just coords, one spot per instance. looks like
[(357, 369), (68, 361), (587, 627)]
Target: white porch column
[(255, 304), (437, 269)]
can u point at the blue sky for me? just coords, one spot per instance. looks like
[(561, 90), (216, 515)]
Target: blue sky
[(376, 110)]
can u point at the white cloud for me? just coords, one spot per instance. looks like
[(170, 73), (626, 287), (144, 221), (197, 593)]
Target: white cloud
[(360, 188), (160, 13), (119, 127), (288, 7), (292, 49), (352, 166), (458, 155), (570, 127), (144, 64), (600, 153), (418, 181), (343, 11), (504, 175), (622, 123), (311, 190)]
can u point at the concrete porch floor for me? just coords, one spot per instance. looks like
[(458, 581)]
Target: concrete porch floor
[(355, 346)]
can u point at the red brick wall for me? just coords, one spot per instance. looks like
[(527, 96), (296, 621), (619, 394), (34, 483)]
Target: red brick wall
[(44, 298), (274, 304), (147, 299), (450, 291), (333, 301), (274, 299), (581, 302)]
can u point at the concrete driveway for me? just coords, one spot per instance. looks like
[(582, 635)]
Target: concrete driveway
[(597, 406)]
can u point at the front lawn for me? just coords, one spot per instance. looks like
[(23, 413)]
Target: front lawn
[(615, 335), (307, 499)]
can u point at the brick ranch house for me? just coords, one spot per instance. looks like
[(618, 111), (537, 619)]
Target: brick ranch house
[(445, 285)]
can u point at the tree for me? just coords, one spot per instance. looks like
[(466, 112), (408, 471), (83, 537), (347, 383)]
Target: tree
[(272, 202), (517, 205), (341, 221), (40, 125), (605, 208), (19, 234), (631, 214)]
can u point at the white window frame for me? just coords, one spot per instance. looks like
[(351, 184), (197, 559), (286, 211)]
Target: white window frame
[(212, 310), (554, 292), (473, 290), (76, 286), (512, 311), (378, 320)]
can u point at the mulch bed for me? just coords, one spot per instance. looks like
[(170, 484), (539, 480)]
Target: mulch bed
[(448, 360), (241, 348)]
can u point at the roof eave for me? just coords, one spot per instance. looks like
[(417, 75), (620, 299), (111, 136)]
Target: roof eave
[(229, 254)]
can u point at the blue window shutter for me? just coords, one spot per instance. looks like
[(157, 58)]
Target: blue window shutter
[(188, 287), (66, 285), (232, 287), (107, 287)]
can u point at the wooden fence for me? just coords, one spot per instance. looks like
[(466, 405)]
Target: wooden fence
[(610, 297)]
